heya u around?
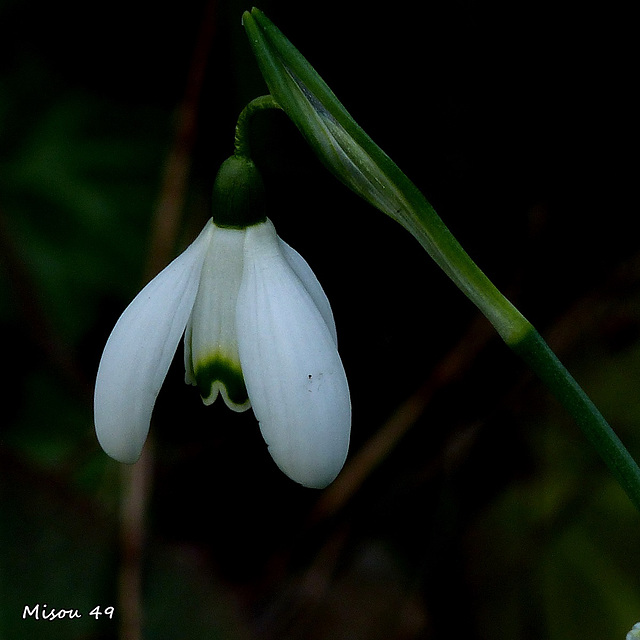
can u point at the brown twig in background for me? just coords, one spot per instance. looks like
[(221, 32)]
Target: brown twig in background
[(137, 480), (171, 198), (135, 491)]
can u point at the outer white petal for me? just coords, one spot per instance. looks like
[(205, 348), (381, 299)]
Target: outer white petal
[(139, 351), (292, 370), (311, 284)]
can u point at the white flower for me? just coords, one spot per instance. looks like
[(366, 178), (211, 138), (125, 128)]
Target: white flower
[(259, 329)]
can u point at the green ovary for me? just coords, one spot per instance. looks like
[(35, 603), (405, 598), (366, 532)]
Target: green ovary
[(221, 374)]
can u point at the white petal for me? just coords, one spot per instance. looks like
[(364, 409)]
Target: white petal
[(139, 351), (311, 284), (294, 375), (211, 346)]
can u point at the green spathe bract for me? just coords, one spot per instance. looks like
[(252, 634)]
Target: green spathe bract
[(359, 163), (340, 142)]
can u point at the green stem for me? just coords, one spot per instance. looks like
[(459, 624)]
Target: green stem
[(242, 146), (518, 333), (537, 354)]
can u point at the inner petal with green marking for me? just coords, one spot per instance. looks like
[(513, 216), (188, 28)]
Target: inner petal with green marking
[(211, 345), (219, 374)]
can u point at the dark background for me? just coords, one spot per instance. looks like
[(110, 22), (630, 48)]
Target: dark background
[(486, 515)]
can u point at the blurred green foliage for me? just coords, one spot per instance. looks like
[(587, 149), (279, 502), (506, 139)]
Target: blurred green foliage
[(492, 518)]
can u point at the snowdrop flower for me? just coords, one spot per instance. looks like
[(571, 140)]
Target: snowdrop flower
[(258, 329)]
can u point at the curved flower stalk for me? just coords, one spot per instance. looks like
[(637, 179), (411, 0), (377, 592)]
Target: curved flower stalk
[(258, 330), (354, 158)]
